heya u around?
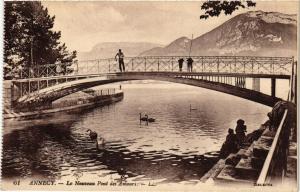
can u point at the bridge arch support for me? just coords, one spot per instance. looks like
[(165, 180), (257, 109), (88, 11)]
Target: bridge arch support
[(55, 92)]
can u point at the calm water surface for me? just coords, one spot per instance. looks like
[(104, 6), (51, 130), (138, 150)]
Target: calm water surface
[(179, 147)]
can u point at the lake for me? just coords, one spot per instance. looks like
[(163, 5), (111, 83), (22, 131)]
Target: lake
[(179, 147)]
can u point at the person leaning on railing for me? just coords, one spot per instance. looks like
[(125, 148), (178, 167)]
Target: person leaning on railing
[(180, 63), (275, 116), (190, 64)]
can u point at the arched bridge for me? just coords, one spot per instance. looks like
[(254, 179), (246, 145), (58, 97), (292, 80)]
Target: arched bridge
[(230, 74)]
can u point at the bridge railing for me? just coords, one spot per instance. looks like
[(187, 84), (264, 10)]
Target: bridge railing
[(205, 64), (47, 70), (100, 92)]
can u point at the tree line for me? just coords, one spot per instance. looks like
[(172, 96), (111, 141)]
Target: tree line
[(29, 38)]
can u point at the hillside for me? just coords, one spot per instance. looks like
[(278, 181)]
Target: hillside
[(255, 33)]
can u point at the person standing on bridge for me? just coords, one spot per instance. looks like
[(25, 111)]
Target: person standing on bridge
[(120, 56), (180, 63), (190, 64)]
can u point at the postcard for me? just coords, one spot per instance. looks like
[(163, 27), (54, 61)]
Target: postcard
[(150, 95)]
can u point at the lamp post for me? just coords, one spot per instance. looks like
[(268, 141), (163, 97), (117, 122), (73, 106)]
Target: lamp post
[(31, 57), (31, 50)]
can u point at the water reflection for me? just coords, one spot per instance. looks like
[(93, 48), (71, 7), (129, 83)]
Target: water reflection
[(177, 147)]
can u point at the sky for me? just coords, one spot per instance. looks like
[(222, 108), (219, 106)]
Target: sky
[(84, 24)]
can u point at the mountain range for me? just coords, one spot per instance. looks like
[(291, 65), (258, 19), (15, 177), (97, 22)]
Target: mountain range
[(110, 49), (254, 33)]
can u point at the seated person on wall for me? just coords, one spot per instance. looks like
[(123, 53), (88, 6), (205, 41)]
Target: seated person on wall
[(230, 145), (240, 130)]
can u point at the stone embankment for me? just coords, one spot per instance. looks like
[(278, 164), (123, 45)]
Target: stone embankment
[(245, 166), (68, 104)]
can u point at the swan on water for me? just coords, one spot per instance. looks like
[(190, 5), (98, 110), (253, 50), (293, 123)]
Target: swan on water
[(150, 119), (93, 134), (192, 108), (146, 118), (94, 137), (102, 143)]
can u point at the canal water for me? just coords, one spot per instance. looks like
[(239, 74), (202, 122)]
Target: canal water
[(179, 147)]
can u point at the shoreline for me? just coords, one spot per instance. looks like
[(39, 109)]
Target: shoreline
[(103, 100), (224, 170)]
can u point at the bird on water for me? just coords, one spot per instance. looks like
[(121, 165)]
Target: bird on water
[(93, 136), (146, 118), (191, 109), (150, 119)]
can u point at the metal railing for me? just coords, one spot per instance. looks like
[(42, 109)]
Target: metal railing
[(100, 92), (281, 132), (219, 64), (275, 147)]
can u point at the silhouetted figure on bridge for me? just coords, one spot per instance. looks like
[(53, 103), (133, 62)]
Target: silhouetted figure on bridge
[(180, 63), (240, 130), (190, 64), (230, 145), (120, 56)]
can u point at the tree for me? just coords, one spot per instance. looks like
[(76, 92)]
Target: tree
[(29, 38), (215, 8)]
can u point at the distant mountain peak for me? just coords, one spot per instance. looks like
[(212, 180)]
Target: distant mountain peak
[(274, 17), (105, 50), (123, 45), (255, 33), (181, 43), (183, 38)]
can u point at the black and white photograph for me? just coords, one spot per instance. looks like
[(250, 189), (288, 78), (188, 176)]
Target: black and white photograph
[(150, 95)]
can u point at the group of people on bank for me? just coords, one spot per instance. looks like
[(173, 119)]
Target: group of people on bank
[(120, 58), (234, 141)]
